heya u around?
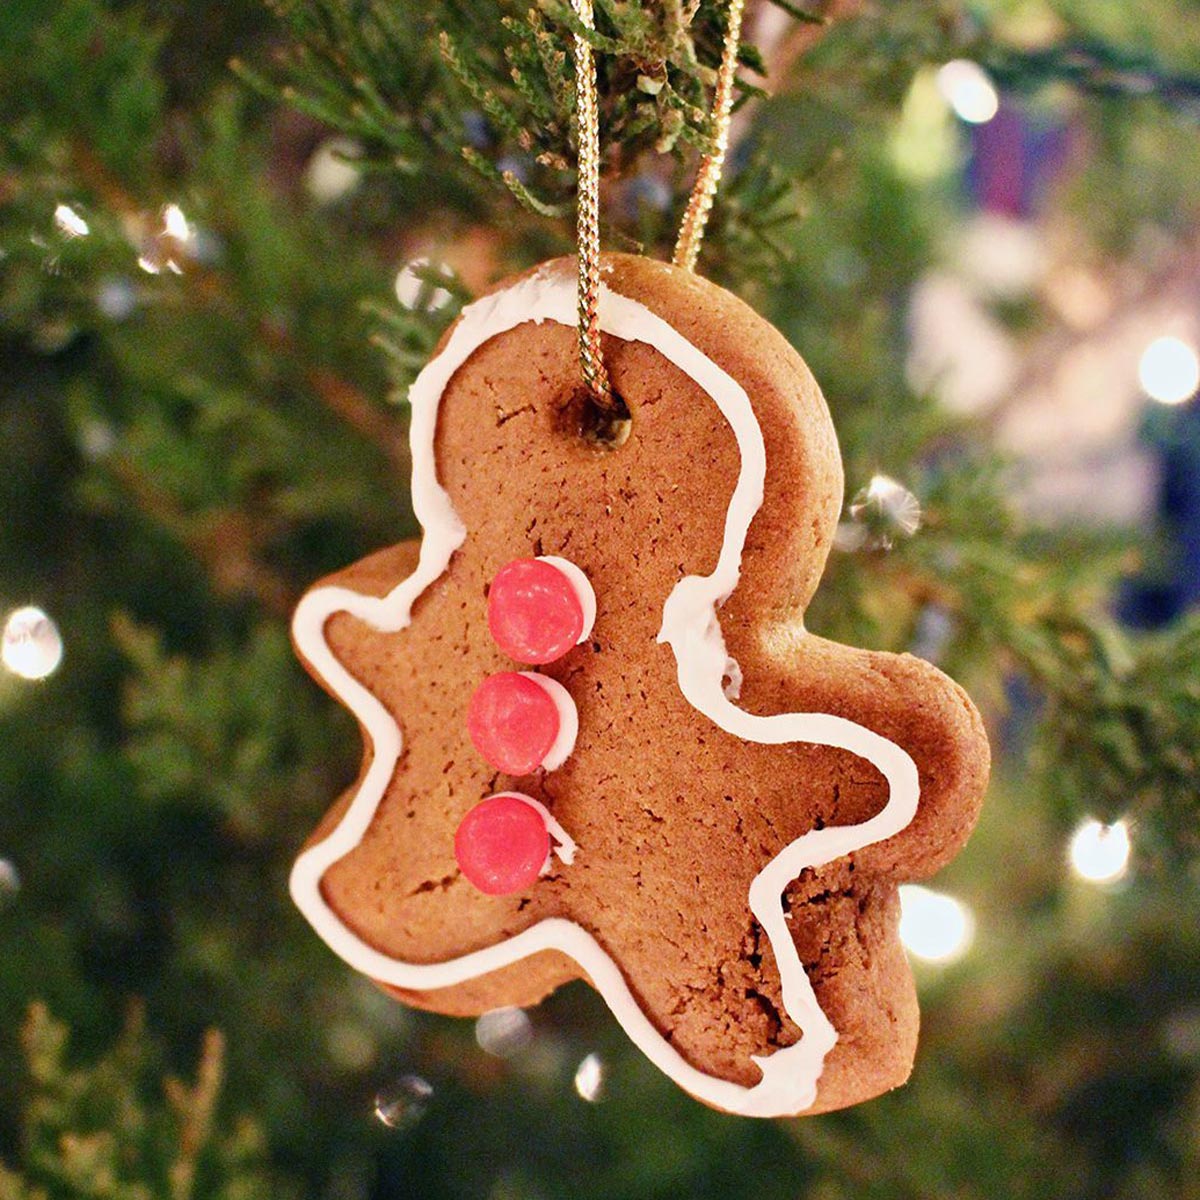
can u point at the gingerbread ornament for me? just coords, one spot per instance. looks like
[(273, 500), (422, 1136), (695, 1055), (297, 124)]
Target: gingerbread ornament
[(600, 743)]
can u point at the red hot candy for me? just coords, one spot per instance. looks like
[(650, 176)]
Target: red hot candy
[(538, 608), (519, 722), (502, 844)]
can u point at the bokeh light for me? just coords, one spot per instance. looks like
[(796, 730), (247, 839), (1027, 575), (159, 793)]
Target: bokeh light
[(403, 1103), (934, 927), (415, 293), (69, 222), (878, 515), (333, 172), (32, 646), (589, 1079), (966, 87), (1169, 370), (176, 224), (1099, 853), (10, 882), (503, 1032)]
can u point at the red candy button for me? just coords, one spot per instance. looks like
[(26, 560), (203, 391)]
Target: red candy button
[(535, 611), (513, 722), (502, 844)]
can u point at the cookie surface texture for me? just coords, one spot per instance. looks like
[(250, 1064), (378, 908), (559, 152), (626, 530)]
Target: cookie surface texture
[(742, 797)]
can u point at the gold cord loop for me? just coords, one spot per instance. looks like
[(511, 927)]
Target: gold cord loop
[(695, 218), (587, 107)]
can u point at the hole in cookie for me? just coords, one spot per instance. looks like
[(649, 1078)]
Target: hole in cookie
[(606, 427)]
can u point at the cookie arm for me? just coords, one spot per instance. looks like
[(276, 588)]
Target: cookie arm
[(376, 574), (911, 703)]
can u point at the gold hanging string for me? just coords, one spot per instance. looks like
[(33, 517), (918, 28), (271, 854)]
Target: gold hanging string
[(695, 218), (587, 109)]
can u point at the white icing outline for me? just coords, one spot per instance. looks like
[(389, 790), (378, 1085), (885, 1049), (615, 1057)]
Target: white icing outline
[(691, 628), (568, 720), (581, 585)]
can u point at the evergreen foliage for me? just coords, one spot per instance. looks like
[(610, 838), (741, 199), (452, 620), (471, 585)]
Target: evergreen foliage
[(101, 1131)]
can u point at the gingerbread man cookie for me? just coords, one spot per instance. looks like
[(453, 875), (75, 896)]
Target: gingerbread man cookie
[(600, 743)]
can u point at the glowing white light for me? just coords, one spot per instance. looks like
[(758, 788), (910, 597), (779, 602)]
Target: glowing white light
[(1100, 853), (402, 1104), (32, 646), (879, 513), (97, 439), (589, 1079), (933, 926), (1169, 370), (503, 1032), (331, 172), (965, 86), (895, 501), (410, 287), (10, 881), (175, 224), (70, 222), (116, 298)]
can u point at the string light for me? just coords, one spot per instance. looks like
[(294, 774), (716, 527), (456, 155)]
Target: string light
[(879, 514), (934, 927), (893, 501), (32, 646), (503, 1032), (965, 86), (332, 172), (1099, 853), (589, 1079), (168, 247), (414, 293), (403, 1103), (70, 223), (153, 265), (1169, 370), (175, 224), (10, 882), (116, 298)]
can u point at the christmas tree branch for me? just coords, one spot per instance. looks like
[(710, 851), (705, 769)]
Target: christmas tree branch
[(98, 1131), (1098, 67)]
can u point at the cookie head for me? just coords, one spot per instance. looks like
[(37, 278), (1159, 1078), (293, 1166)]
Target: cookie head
[(600, 742)]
